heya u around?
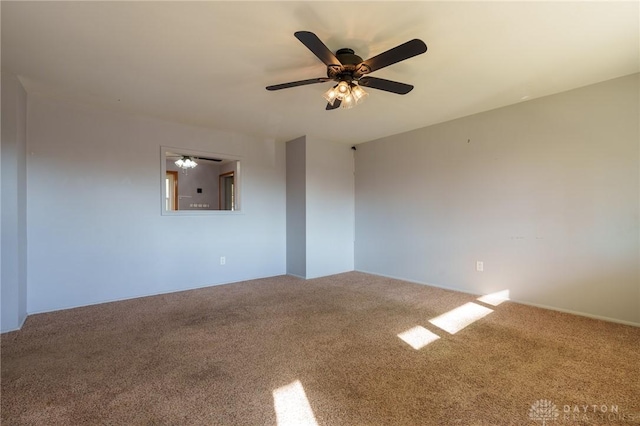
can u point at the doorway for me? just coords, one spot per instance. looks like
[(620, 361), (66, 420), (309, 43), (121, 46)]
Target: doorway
[(171, 190), (227, 191)]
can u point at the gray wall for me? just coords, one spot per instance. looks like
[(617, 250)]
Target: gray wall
[(545, 193), (13, 210), (320, 208), (296, 207), (204, 176), (330, 208), (96, 232)]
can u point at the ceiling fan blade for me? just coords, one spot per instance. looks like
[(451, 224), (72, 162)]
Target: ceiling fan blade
[(318, 48), (217, 160), (298, 83), (399, 53), (336, 104), (386, 85)]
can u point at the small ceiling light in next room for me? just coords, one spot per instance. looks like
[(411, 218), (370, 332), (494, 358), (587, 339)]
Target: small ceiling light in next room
[(186, 163)]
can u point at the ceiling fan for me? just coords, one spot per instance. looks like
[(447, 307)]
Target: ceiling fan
[(171, 155), (188, 161), (349, 71)]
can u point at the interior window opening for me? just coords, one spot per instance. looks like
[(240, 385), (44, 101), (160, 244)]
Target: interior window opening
[(196, 181)]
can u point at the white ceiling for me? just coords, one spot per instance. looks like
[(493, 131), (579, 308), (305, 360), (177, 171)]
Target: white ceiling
[(207, 63)]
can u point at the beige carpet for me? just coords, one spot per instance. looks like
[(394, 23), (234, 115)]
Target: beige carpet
[(223, 356)]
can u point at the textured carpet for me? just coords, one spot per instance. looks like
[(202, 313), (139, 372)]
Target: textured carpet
[(220, 355)]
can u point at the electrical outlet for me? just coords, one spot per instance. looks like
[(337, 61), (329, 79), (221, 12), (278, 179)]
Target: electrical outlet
[(479, 266), (223, 260)]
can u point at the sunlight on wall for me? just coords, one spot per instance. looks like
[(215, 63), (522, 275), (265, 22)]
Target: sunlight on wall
[(418, 337), (458, 318), (292, 406), (496, 298)]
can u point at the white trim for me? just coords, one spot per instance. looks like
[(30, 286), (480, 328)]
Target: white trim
[(582, 314), (15, 329), (297, 276), (551, 308), (153, 294)]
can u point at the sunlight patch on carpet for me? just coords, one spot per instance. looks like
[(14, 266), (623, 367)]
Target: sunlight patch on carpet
[(496, 298), (458, 318), (292, 406), (418, 337)]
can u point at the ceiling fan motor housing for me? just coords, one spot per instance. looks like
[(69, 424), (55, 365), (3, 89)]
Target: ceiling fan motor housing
[(351, 69)]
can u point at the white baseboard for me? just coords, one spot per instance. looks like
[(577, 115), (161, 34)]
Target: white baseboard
[(522, 302), (297, 276), (15, 329), (552, 308), (149, 295)]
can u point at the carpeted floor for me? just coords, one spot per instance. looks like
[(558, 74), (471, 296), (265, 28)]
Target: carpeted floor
[(225, 356)]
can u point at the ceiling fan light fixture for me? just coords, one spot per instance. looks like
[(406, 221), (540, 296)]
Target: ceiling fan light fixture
[(186, 163), (348, 93)]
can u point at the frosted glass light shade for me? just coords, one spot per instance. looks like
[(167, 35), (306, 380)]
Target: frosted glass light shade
[(348, 102), (331, 95), (358, 93), (343, 90)]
